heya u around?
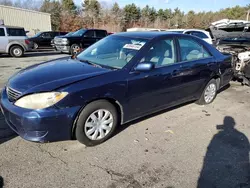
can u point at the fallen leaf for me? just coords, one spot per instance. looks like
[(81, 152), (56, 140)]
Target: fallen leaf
[(169, 131), (136, 141)]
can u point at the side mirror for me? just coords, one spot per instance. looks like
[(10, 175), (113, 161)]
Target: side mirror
[(144, 67)]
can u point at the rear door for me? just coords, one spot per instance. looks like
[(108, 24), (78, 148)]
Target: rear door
[(3, 40), (196, 67), (88, 39)]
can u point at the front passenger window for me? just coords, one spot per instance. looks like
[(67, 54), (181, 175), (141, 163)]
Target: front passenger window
[(161, 53), (90, 34), (191, 50)]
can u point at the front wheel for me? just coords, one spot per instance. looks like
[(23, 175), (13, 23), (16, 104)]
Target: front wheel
[(96, 123), (35, 46), (209, 93), (74, 49)]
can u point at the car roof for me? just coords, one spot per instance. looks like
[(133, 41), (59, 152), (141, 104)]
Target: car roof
[(176, 30), (9, 26), (195, 30), (186, 30), (146, 34)]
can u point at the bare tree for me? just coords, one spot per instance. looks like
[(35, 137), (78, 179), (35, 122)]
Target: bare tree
[(6, 2)]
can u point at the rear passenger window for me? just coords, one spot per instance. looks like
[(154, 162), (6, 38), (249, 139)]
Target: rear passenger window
[(16, 32), (191, 50), (2, 32), (101, 34)]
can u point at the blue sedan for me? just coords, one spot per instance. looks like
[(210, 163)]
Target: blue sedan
[(118, 79)]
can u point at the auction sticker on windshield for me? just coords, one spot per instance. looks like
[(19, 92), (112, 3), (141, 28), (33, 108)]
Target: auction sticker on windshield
[(133, 46)]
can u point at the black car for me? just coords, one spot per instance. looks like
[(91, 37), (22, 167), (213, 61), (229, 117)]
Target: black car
[(43, 39), (82, 38)]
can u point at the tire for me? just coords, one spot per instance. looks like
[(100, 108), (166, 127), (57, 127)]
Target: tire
[(73, 48), (87, 131), (205, 99), (16, 51), (35, 46)]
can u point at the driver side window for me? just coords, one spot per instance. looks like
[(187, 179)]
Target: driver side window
[(161, 53), (46, 35)]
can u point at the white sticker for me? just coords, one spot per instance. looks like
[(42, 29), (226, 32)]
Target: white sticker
[(133, 46)]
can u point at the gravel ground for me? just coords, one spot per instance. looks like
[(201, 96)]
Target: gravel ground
[(184, 147)]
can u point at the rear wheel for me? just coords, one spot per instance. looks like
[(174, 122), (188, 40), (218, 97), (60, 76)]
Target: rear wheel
[(96, 123), (209, 93), (16, 51)]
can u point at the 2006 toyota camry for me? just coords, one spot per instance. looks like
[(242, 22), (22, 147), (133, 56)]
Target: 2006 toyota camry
[(118, 79)]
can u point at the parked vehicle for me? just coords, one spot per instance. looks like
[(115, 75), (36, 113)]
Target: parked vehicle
[(43, 39), (121, 78), (239, 48), (82, 38), (205, 35), (231, 25), (52, 43), (13, 41), (144, 29)]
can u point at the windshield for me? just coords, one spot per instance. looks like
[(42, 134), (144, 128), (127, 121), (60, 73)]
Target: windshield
[(113, 51), (79, 33), (69, 34), (38, 34)]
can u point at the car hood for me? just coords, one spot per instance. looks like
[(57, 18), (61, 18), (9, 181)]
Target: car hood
[(52, 75), (69, 37)]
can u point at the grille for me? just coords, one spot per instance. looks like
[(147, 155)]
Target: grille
[(13, 95), (57, 41)]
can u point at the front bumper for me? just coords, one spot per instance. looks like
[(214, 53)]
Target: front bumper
[(46, 125), (62, 48)]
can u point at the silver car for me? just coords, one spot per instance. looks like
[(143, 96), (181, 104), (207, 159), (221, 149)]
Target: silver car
[(13, 41)]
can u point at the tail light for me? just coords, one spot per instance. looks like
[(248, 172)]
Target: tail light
[(27, 42)]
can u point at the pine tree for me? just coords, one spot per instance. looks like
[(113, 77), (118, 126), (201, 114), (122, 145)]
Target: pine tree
[(91, 11), (54, 8), (69, 6)]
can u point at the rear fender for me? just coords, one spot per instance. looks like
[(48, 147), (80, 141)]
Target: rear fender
[(20, 42)]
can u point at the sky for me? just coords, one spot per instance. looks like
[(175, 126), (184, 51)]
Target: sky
[(184, 5)]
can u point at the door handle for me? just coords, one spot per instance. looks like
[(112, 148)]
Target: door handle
[(176, 73)]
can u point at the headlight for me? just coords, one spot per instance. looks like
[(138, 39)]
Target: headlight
[(65, 41), (40, 100)]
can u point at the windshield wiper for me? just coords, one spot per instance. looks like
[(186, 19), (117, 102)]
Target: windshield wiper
[(89, 62), (95, 64)]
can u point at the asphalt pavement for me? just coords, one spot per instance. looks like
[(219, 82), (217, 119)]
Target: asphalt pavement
[(183, 147)]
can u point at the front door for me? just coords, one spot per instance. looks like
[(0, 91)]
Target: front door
[(3, 40), (88, 39), (45, 39), (153, 90)]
